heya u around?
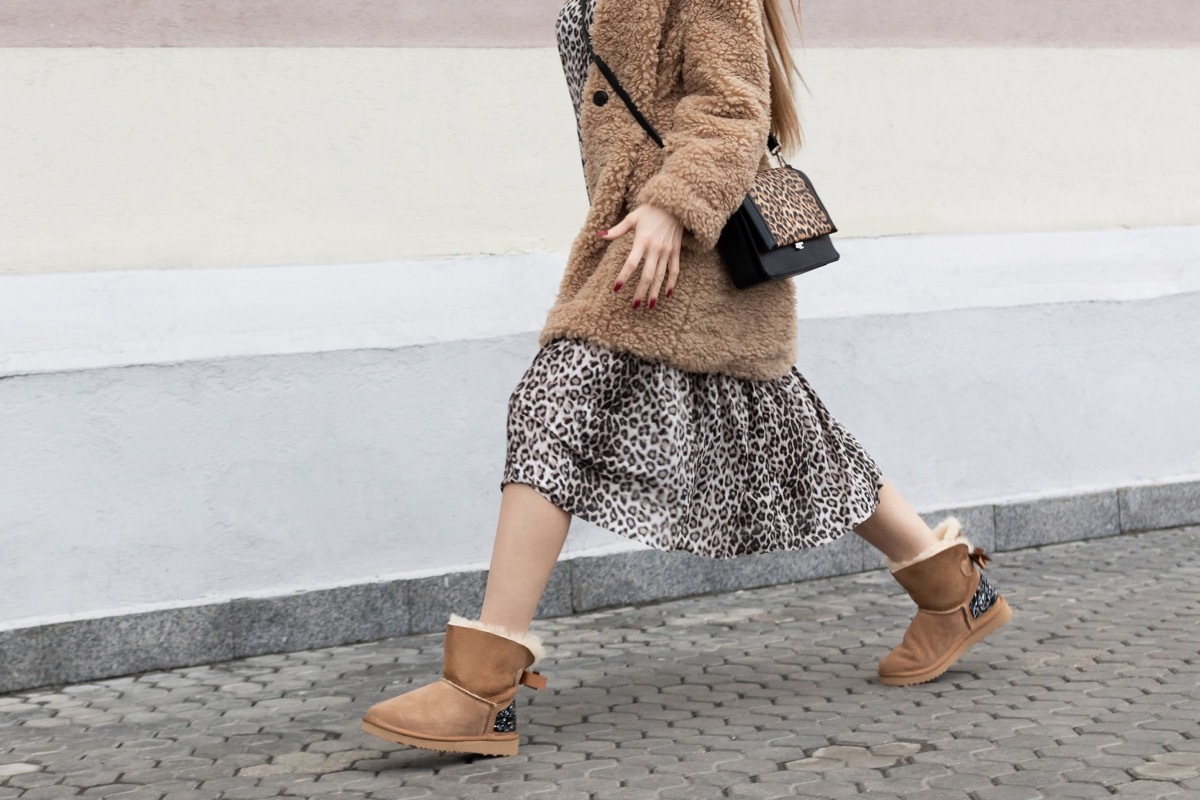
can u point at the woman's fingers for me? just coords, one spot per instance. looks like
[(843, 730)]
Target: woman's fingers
[(666, 269), (673, 270), (660, 274), (620, 229), (631, 263), (657, 257), (657, 239), (616, 231), (641, 294)]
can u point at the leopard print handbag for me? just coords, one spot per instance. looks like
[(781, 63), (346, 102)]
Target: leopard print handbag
[(781, 229)]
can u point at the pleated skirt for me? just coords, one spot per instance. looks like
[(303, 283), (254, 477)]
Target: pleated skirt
[(708, 463)]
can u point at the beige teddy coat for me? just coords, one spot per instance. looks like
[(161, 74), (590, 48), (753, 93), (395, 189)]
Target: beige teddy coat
[(698, 70)]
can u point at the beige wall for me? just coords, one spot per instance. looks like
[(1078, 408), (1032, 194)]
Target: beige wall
[(163, 157), (529, 23)]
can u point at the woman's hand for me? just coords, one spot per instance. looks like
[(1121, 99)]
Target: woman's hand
[(657, 234)]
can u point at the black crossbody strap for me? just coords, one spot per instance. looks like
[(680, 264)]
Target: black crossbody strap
[(611, 77), (624, 95)]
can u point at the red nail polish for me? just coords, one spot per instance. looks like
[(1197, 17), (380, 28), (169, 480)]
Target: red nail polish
[(652, 299), (637, 303), (602, 233), (669, 292), (617, 288)]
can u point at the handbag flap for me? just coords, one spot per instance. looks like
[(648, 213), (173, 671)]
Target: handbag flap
[(785, 208)]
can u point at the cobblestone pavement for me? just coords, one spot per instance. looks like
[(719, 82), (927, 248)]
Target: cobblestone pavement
[(1091, 691)]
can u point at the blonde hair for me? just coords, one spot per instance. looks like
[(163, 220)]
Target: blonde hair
[(785, 119)]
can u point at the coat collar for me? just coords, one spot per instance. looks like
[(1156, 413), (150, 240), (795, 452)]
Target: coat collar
[(626, 34)]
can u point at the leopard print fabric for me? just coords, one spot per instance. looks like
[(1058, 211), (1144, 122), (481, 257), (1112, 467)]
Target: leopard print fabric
[(788, 204), (708, 463), (703, 462), (572, 50)]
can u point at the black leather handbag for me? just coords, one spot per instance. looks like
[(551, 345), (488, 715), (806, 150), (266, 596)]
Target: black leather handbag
[(781, 229)]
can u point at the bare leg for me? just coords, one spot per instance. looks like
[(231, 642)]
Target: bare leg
[(529, 536), (895, 529), (459, 712)]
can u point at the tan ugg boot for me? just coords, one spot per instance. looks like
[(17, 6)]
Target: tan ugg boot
[(472, 709), (956, 607)]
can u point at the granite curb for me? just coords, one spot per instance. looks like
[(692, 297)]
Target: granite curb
[(93, 649)]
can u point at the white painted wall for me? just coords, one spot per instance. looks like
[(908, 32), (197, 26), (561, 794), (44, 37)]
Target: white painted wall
[(149, 459), (131, 317), (182, 157), (233, 360)]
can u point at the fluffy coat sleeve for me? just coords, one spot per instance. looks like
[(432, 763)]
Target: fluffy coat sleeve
[(719, 127)]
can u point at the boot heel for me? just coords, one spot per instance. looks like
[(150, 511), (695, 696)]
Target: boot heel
[(1000, 614), (483, 747)]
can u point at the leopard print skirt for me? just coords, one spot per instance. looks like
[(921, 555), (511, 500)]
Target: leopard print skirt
[(708, 463)]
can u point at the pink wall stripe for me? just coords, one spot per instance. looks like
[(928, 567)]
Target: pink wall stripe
[(529, 23)]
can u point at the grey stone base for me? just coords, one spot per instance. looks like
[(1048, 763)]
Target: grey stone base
[(83, 650)]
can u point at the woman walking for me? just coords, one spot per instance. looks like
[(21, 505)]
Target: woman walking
[(664, 403)]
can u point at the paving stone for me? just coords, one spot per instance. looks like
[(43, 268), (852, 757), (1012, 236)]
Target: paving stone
[(1093, 691), (1159, 771), (1081, 790), (1009, 793), (1149, 790), (91, 778), (112, 790), (35, 780), (1191, 759), (49, 793)]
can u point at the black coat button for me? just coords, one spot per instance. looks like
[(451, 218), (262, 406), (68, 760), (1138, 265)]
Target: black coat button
[(600, 97)]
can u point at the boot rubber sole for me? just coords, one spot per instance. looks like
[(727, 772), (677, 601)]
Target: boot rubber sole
[(483, 747), (999, 614)]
